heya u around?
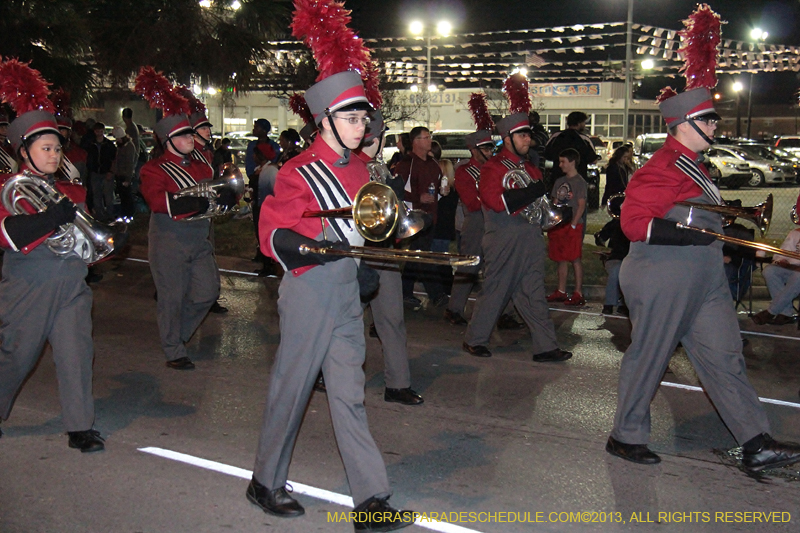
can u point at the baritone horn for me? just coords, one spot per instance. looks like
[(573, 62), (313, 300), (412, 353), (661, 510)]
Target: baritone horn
[(375, 213), (85, 236), (614, 204), (230, 178), (409, 222), (793, 215), (541, 211), (759, 215)]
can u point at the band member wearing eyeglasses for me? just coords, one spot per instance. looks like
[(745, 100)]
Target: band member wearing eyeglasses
[(676, 290), (43, 296), (321, 319)]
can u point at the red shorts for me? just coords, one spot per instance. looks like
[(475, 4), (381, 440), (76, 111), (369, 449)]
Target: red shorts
[(565, 243)]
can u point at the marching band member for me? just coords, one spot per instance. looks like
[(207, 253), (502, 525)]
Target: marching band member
[(8, 163), (321, 318), (43, 296), (387, 303), (514, 250), (180, 252), (467, 178), (675, 285)]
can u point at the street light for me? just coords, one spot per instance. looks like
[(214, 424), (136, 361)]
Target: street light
[(756, 35), (737, 88), (443, 29)]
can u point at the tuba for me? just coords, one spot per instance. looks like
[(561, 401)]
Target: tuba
[(541, 211), (230, 178), (85, 236)]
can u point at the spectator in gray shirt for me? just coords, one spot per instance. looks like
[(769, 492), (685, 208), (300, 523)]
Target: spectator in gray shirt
[(124, 167)]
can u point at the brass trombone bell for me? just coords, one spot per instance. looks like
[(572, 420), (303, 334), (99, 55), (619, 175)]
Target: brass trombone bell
[(760, 215), (374, 211)]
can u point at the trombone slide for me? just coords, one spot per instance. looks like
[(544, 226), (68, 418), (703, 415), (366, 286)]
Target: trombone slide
[(744, 242), (379, 254)]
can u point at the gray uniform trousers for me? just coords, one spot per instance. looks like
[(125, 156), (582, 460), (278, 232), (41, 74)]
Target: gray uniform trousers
[(514, 253), (45, 298), (465, 278), (387, 312), (680, 294), (322, 326), (187, 280)]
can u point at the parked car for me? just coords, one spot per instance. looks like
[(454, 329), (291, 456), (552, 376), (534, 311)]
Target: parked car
[(769, 152), (454, 144), (790, 143), (734, 170), (764, 171), (645, 145)]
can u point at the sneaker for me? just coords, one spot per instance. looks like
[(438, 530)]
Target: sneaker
[(558, 296), (607, 310), (412, 302), (764, 317), (576, 299)]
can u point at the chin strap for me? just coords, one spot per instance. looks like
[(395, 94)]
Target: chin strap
[(345, 159), (696, 128), (514, 147), (186, 161), (30, 159)]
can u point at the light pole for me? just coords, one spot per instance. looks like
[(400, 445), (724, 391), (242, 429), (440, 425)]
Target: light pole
[(758, 36), (443, 29), (628, 60), (737, 88)]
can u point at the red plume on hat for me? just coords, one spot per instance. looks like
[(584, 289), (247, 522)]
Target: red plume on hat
[(516, 90), (666, 93), (701, 38), (195, 105), (23, 87), (480, 111), (322, 24), (159, 92), (299, 107), (62, 102)]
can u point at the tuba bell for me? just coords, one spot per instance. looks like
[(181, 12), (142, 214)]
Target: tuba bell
[(230, 178), (541, 211), (85, 236)]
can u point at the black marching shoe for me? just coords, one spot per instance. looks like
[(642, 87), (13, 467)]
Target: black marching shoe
[(553, 356), (635, 453), (319, 385), (405, 396), (277, 502), (181, 363), (771, 454), (454, 318), (477, 350), (607, 310), (509, 322), (217, 308), (376, 514), (86, 441)]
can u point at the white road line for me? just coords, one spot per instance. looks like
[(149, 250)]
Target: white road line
[(700, 389), (299, 488), (226, 270)]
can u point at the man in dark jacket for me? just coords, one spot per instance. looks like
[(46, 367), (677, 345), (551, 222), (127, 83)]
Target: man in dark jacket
[(572, 137), (100, 156)]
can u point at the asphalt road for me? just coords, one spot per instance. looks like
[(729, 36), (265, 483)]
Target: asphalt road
[(502, 436)]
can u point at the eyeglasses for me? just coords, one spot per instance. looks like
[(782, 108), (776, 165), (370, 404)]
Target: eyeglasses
[(354, 120), (708, 120), (423, 138)]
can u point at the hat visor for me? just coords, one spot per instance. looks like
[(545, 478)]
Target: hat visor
[(355, 106), (182, 131), (712, 115)]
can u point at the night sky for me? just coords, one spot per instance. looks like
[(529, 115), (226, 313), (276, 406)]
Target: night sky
[(390, 18)]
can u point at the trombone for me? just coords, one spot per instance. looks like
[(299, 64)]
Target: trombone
[(760, 215), (376, 213)]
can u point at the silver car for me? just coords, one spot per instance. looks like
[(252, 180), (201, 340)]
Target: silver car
[(764, 171)]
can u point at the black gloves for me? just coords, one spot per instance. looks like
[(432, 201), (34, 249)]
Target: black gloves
[(187, 204), (226, 197), (25, 229), (287, 245), (516, 199), (666, 232), (598, 240)]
